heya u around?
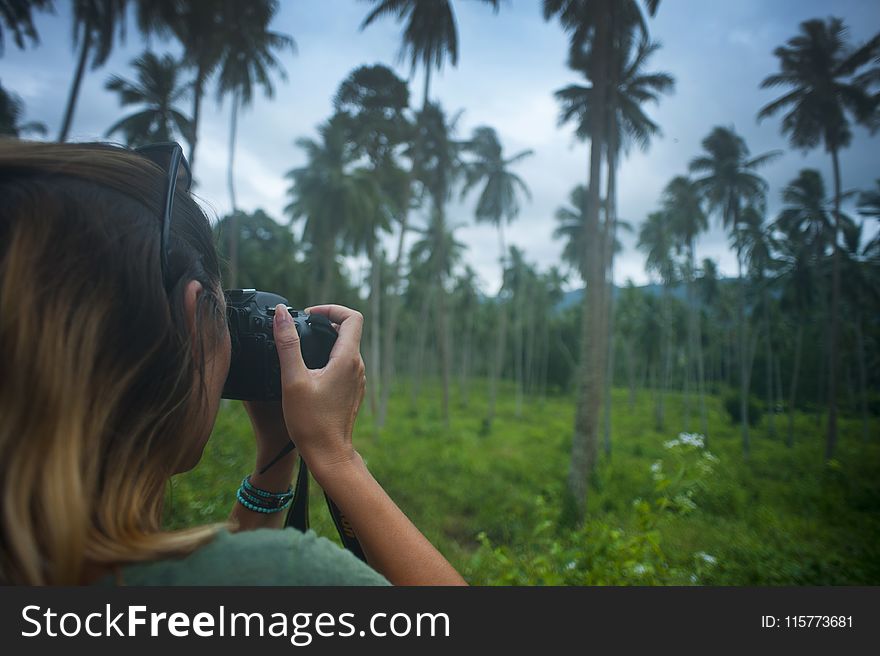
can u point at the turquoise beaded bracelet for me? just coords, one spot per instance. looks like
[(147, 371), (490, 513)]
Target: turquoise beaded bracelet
[(262, 501)]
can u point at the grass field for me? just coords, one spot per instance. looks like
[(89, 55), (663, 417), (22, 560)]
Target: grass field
[(658, 513)]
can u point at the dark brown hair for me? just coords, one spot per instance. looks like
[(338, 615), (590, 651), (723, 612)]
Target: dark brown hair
[(100, 375)]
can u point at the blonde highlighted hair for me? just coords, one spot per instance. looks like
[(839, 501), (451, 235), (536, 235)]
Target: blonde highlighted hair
[(101, 377)]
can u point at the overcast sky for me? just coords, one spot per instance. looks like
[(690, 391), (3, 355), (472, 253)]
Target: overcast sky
[(509, 66)]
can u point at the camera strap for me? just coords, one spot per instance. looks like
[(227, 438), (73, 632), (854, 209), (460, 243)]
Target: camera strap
[(298, 515)]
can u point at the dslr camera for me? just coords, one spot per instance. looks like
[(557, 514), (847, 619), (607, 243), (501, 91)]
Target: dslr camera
[(254, 370)]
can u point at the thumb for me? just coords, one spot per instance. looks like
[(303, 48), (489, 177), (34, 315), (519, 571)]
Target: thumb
[(287, 345)]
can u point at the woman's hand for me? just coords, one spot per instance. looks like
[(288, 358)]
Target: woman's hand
[(320, 405)]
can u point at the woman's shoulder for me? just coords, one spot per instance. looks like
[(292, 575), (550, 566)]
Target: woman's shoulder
[(259, 557)]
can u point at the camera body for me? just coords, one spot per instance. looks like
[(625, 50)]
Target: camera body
[(254, 370)]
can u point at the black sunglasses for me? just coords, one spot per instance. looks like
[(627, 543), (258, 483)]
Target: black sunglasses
[(168, 157)]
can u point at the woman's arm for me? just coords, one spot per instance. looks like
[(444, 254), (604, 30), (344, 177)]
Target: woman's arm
[(320, 407), (271, 436)]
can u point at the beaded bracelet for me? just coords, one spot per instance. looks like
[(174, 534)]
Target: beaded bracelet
[(262, 501), (250, 487)]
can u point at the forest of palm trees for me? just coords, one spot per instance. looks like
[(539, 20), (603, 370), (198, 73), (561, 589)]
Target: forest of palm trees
[(796, 330)]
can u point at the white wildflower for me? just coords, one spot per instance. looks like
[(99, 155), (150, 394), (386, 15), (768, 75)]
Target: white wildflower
[(639, 569), (670, 444), (657, 470), (711, 457), (692, 439), (693, 578), (684, 502), (706, 558), (570, 565)]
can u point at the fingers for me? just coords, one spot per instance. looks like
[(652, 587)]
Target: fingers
[(351, 324), (287, 345)]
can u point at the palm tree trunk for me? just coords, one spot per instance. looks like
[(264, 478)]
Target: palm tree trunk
[(464, 372), (77, 81), (198, 91), (743, 358), (389, 338), (768, 354), (584, 441), (427, 86), (697, 345), (375, 327), (419, 351), (831, 441), (500, 339), (792, 396), (863, 377), (230, 181), (608, 255)]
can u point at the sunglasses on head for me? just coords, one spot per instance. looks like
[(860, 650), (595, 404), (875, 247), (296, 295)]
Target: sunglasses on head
[(168, 157)]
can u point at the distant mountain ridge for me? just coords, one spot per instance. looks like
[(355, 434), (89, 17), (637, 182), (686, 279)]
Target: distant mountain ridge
[(678, 290)]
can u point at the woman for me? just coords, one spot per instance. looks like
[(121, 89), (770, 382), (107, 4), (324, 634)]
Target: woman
[(113, 354)]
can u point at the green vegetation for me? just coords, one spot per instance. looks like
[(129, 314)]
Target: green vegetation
[(495, 505)]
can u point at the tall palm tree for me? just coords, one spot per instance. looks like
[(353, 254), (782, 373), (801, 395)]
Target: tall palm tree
[(466, 295), (374, 102), (94, 24), (17, 17), (497, 204), (201, 27), (438, 168), (11, 114), (598, 21), (571, 228), (430, 35), (826, 94), (158, 88), (248, 59), (437, 252), (330, 193), (657, 240), (629, 88), (729, 183), (805, 230), (860, 293), (683, 204)]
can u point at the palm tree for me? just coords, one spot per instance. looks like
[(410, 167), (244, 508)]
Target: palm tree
[(248, 60), (201, 27), (331, 195), (629, 88), (729, 184), (826, 94), (805, 231), (159, 89), (17, 16), (862, 278), (466, 295), (869, 201), (599, 21), (11, 113), (657, 240), (430, 35), (437, 168), (571, 229), (94, 25), (683, 205), (373, 102), (497, 204), (437, 253)]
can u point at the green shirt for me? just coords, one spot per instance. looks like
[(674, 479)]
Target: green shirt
[(260, 557)]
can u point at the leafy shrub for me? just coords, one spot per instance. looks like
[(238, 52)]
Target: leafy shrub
[(731, 404)]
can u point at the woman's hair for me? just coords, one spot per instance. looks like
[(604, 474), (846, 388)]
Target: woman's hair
[(101, 377)]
